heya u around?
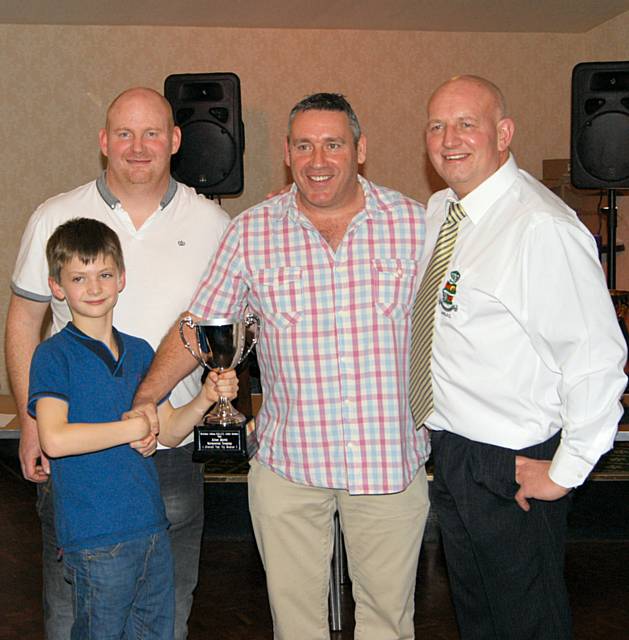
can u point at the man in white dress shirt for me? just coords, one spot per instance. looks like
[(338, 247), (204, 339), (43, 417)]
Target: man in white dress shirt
[(527, 372)]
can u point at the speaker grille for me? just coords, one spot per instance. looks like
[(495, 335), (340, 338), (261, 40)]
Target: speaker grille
[(207, 154), (603, 147)]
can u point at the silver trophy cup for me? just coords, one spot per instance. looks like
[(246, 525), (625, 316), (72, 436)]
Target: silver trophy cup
[(221, 344)]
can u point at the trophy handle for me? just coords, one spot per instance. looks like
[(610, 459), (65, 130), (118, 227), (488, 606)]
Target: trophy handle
[(251, 319), (189, 322)]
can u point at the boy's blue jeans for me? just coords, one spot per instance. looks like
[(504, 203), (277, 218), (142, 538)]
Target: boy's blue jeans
[(123, 590), (181, 484)]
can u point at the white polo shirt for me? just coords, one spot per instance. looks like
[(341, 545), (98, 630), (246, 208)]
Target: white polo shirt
[(164, 259)]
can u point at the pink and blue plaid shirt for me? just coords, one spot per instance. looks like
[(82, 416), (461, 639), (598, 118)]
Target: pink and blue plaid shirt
[(334, 338)]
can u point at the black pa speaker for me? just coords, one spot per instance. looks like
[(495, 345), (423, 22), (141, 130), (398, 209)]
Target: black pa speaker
[(599, 141), (206, 107)]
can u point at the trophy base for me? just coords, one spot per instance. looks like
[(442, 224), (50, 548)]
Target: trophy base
[(217, 442)]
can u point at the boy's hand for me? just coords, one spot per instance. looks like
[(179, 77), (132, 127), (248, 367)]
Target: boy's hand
[(146, 409), (224, 384), (147, 445)]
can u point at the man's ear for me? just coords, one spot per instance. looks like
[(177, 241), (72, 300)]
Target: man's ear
[(506, 129), (102, 141), (175, 140), (56, 289), (361, 149), (122, 281), (286, 153)]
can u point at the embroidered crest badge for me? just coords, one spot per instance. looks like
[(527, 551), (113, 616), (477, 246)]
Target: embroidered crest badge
[(446, 299)]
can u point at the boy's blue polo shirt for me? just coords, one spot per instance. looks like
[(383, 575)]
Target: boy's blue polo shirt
[(112, 495)]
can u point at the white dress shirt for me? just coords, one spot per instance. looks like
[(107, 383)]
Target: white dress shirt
[(526, 338)]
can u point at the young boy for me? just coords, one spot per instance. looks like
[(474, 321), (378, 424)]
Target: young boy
[(110, 520)]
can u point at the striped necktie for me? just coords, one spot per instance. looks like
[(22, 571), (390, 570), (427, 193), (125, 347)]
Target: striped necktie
[(423, 323)]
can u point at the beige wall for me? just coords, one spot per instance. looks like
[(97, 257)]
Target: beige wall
[(55, 83)]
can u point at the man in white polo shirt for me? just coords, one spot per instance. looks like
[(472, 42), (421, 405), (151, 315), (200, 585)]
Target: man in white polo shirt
[(168, 233)]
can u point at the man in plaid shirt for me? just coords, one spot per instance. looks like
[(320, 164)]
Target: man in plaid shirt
[(331, 268)]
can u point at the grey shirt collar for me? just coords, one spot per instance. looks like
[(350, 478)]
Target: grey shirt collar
[(112, 201)]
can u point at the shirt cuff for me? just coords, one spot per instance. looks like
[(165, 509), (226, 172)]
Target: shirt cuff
[(568, 470)]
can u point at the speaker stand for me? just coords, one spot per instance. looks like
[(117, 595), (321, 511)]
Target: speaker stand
[(619, 298), (612, 222)]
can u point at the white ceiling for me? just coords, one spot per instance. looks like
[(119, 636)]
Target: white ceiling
[(561, 16)]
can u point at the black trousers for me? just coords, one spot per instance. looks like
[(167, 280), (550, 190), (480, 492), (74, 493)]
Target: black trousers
[(506, 566)]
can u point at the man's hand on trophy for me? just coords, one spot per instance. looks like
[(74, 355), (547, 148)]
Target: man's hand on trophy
[(223, 385)]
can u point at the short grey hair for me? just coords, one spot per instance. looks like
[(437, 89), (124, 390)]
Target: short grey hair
[(327, 102)]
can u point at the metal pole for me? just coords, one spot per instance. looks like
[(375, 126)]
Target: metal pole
[(612, 221)]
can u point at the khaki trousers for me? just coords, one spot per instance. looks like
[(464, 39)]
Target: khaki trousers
[(293, 528)]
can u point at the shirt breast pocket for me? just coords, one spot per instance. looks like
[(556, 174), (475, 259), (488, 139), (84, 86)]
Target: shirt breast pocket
[(395, 280), (280, 294)]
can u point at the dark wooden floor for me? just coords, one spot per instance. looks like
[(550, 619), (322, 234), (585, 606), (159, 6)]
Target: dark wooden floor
[(231, 599)]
